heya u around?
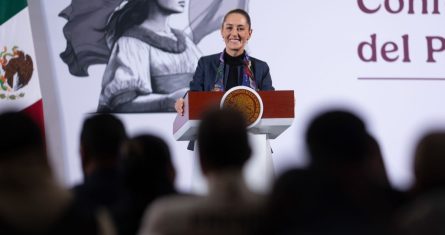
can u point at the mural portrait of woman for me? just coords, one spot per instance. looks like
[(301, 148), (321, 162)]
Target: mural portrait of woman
[(149, 64)]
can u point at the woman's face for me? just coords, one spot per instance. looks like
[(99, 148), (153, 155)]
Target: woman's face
[(173, 6), (236, 32)]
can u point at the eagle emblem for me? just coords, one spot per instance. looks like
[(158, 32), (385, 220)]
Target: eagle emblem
[(247, 101), (16, 69)]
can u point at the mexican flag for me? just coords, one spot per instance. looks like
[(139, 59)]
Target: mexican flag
[(19, 81)]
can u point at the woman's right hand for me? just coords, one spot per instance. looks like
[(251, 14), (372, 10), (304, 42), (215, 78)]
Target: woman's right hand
[(179, 106)]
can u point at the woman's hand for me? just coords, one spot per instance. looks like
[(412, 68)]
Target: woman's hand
[(179, 106)]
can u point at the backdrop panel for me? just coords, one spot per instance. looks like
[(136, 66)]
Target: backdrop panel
[(382, 59)]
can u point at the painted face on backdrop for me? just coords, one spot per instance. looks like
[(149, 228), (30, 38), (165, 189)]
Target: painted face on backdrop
[(173, 6), (236, 32)]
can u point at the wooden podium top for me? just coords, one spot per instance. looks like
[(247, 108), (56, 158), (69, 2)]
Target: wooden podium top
[(278, 112)]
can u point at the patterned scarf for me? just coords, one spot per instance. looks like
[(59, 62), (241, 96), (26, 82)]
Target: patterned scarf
[(248, 79)]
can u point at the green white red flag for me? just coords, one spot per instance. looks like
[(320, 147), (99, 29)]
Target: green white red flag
[(19, 81)]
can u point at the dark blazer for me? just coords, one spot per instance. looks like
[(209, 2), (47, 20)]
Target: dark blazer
[(205, 74)]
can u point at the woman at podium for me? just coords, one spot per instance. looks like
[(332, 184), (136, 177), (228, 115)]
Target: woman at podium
[(232, 67)]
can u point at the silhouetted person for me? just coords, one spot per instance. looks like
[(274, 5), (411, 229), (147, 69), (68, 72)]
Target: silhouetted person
[(429, 163), (31, 201), (148, 174), (294, 205), (342, 151), (341, 192), (229, 207), (375, 164), (100, 142), (336, 138), (426, 212)]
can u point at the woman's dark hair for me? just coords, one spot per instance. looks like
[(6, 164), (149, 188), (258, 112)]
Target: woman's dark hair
[(147, 165), (102, 135), (337, 136), (21, 134), (133, 13), (238, 11), (222, 140)]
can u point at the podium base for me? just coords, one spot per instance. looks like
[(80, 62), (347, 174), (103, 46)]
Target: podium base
[(259, 170)]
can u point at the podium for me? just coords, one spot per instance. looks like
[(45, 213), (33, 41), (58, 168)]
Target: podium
[(277, 116), (278, 113)]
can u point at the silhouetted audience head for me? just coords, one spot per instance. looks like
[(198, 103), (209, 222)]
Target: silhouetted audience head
[(100, 140), (21, 136), (429, 162), (375, 163), (336, 137), (425, 213), (222, 140), (337, 194), (31, 201), (148, 174), (229, 206), (147, 164), (296, 204)]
